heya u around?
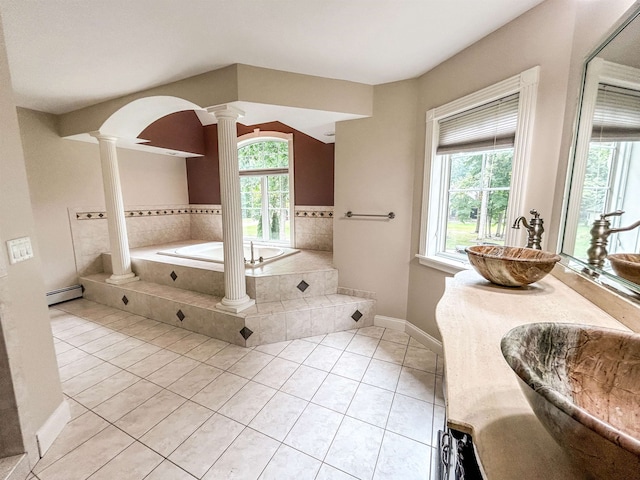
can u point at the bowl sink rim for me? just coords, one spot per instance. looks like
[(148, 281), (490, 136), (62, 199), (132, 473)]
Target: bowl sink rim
[(560, 401), (619, 257), (548, 256)]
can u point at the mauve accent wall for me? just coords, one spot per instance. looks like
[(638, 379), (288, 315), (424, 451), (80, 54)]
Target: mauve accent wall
[(313, 159)]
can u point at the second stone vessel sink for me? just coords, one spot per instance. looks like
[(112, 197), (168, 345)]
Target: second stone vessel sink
[(583, 384), (626, 265), (511, 266)]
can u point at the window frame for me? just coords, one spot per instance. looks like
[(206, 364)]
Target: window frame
[(261, 136), (436, 176)]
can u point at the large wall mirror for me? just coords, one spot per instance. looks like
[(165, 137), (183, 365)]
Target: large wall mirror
[(605, 174)]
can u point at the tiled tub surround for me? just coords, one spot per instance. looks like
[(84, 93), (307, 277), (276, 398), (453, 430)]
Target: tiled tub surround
[(159, 224), (152, 401), (295, 297), (314, 228)]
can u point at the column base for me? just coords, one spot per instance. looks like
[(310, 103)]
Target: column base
[(122, 279), (236, 306)]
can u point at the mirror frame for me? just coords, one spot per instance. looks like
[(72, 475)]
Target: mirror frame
[(594, 71)]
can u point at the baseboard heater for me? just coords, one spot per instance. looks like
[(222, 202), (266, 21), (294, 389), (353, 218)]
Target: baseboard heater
[(64, 294)]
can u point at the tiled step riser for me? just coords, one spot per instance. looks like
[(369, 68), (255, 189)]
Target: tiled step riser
[(263, 289), (265, 328), (187, 278), (194, 318), (281, 326), (292, 286)]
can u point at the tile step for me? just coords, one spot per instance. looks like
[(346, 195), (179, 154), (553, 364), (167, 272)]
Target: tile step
[(15, 467), (263, 323)]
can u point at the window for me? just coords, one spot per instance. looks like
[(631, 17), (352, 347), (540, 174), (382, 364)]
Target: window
[(475, 163), (266, 187)]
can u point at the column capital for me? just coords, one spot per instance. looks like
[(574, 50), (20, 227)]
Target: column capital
[(226, 111), (103, 136)]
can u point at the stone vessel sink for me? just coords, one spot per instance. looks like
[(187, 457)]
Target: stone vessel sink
[(626, 265), (511, 266), (583, 383)]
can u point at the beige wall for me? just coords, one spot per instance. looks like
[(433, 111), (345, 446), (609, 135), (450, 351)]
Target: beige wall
[(66, 174), (374, 174), (23, 311)]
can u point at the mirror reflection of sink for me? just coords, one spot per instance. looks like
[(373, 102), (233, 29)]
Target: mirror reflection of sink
[(626, 265), (511, 266), (583, 384)]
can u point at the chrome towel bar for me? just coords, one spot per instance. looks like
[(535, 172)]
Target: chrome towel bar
[(350, 214)]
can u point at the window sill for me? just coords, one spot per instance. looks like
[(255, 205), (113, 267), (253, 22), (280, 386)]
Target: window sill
[(443, 264)]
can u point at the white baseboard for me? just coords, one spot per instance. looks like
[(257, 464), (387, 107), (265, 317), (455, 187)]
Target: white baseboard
[(64, 294), (52, 427), (410, 329)]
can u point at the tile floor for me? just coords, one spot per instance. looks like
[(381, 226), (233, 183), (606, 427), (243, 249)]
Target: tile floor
[(151, 401)]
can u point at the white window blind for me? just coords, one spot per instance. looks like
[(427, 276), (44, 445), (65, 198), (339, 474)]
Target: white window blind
[(482, 128), (617, 115)]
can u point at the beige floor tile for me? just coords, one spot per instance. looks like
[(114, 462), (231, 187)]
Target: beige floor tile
[(314, 431), (102, 391), (133, 463), (87, 379), (103, 342), (249, 365), (276, 373), (75, 408), (417, 384), (304, 382), (246, 404), (374, 332), (279, 415), (439, 419), (90, 336), (273, 348), (61, 347), (194, 381), (74, 434), (79, 366), (363, 345), (153, 362), (168, 471), (134, 355), (351, 365), (170, 337), (336, 393), (245, 458), (338, 340), (314, 339), (403, 458), (82, 327), (421, 359), (382, 374), (327, 472), (187, 343), (226, 357), (411, 418), (371, 404), (143, 418), (118, 349), (201, 450), (69, 356), (290, 464), (390, 352), (85, 460), (395, 336), (297, 351), (122, 403), (414, 343), (355, 448), (206, 350), (323, 358), (439, 397), (216, 394), (173, 371), (167, 435), (148, 333)]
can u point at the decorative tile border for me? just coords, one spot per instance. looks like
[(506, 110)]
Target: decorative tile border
[(99, 215), (315, 213)]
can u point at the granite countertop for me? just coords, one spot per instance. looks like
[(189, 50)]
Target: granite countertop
[(483, 397)]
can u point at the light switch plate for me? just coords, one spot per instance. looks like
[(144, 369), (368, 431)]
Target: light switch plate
[(19, 249)]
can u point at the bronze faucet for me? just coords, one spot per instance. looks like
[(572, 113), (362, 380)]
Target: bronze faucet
[(534, 229), (600, 235)]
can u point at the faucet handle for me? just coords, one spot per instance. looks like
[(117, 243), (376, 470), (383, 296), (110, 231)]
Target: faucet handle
[(617, 213), (534, 212)]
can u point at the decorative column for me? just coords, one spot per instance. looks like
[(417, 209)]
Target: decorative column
[(119, 244), (235, 289)]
